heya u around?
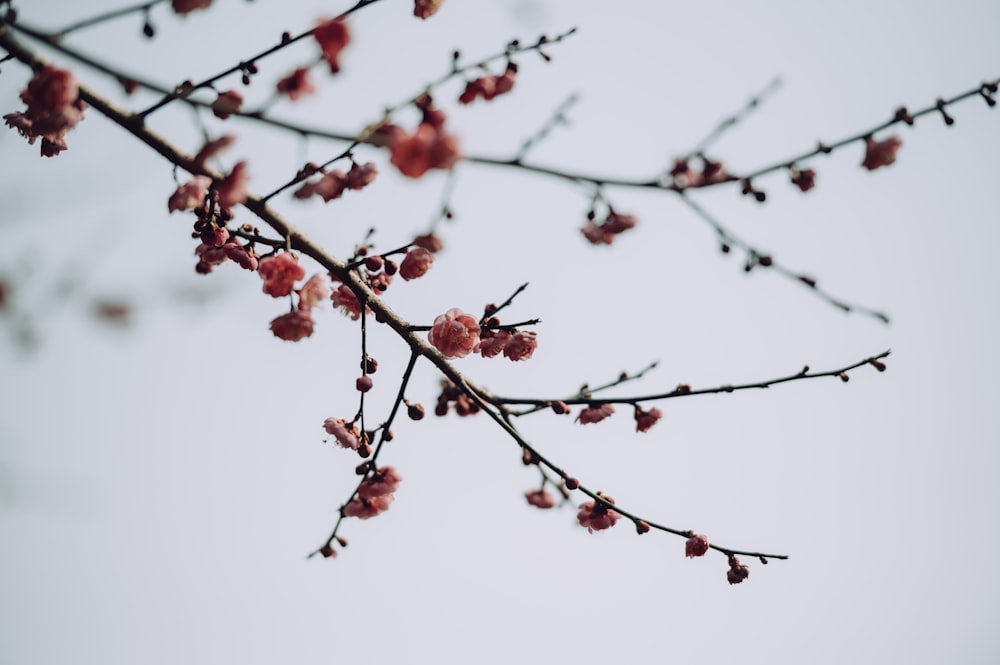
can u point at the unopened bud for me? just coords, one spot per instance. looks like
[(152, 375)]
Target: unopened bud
[(844, 377), (363, 384), (877, 364), (560, 407), (641, 527), (415, 411), (571, 483)]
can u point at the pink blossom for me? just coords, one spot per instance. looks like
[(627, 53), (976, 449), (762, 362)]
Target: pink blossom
[(380, 282), (214, 235), (212, 148), (520, 346), (540, 499), (241, 255), (190, 195), (345, 299), (804, 180), (426, 8), (53, 108), (233, 188), (313, 292), (430, 242), (280, 272), (293, 326), (332, 36), (605, 232), (493, 345), (880, 153), (331, 186), (429, 147), (595, 413), (384, 481), (737, 572), (226, 103), (489, 87), (188, 6), (416, 263), (454, 333), (208, 257), (696, 545), (361, 175), (646, 419), (365, 508), (347, 435), (296, 84), (596, 516)]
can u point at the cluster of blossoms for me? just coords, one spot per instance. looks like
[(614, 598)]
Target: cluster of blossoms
[(280, 272), (604, 233), (379, 273), (428, 147), (332, 185), (737, 572), (489, 87), (375, 494), (685, 176), (54, 108), (456, 334), (596, 515)]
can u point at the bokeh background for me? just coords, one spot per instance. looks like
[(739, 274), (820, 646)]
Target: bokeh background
[(161, 482)]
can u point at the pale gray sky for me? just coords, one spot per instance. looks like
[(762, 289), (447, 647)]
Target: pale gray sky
[(161, 486)]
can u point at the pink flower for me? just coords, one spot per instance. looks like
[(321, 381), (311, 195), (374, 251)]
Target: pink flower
[(737, 572), (364, 508), (212, 148), (331, 186), (333, 37), (489, 87), (346, 435), (226, 103), (188, 6), (454, 333), (426, 8), (520, 346), (313, 292), (416, 263), (427, 148), (597, 516), (296, 84), (646, 419), (540, 499), (191, 195), (595, 413), (233, 188), (382, 482), (280, 272), (208, 257), (361, 175), (53, 108), (696, 545), (493, 345), (880, 153), (804, 180), (241, 255), (430, 242), (605, 232), (293, 326), (345, 299)]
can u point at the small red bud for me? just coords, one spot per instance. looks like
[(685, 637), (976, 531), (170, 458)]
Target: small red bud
[(363, 384), (415, 411), (571, 483)]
